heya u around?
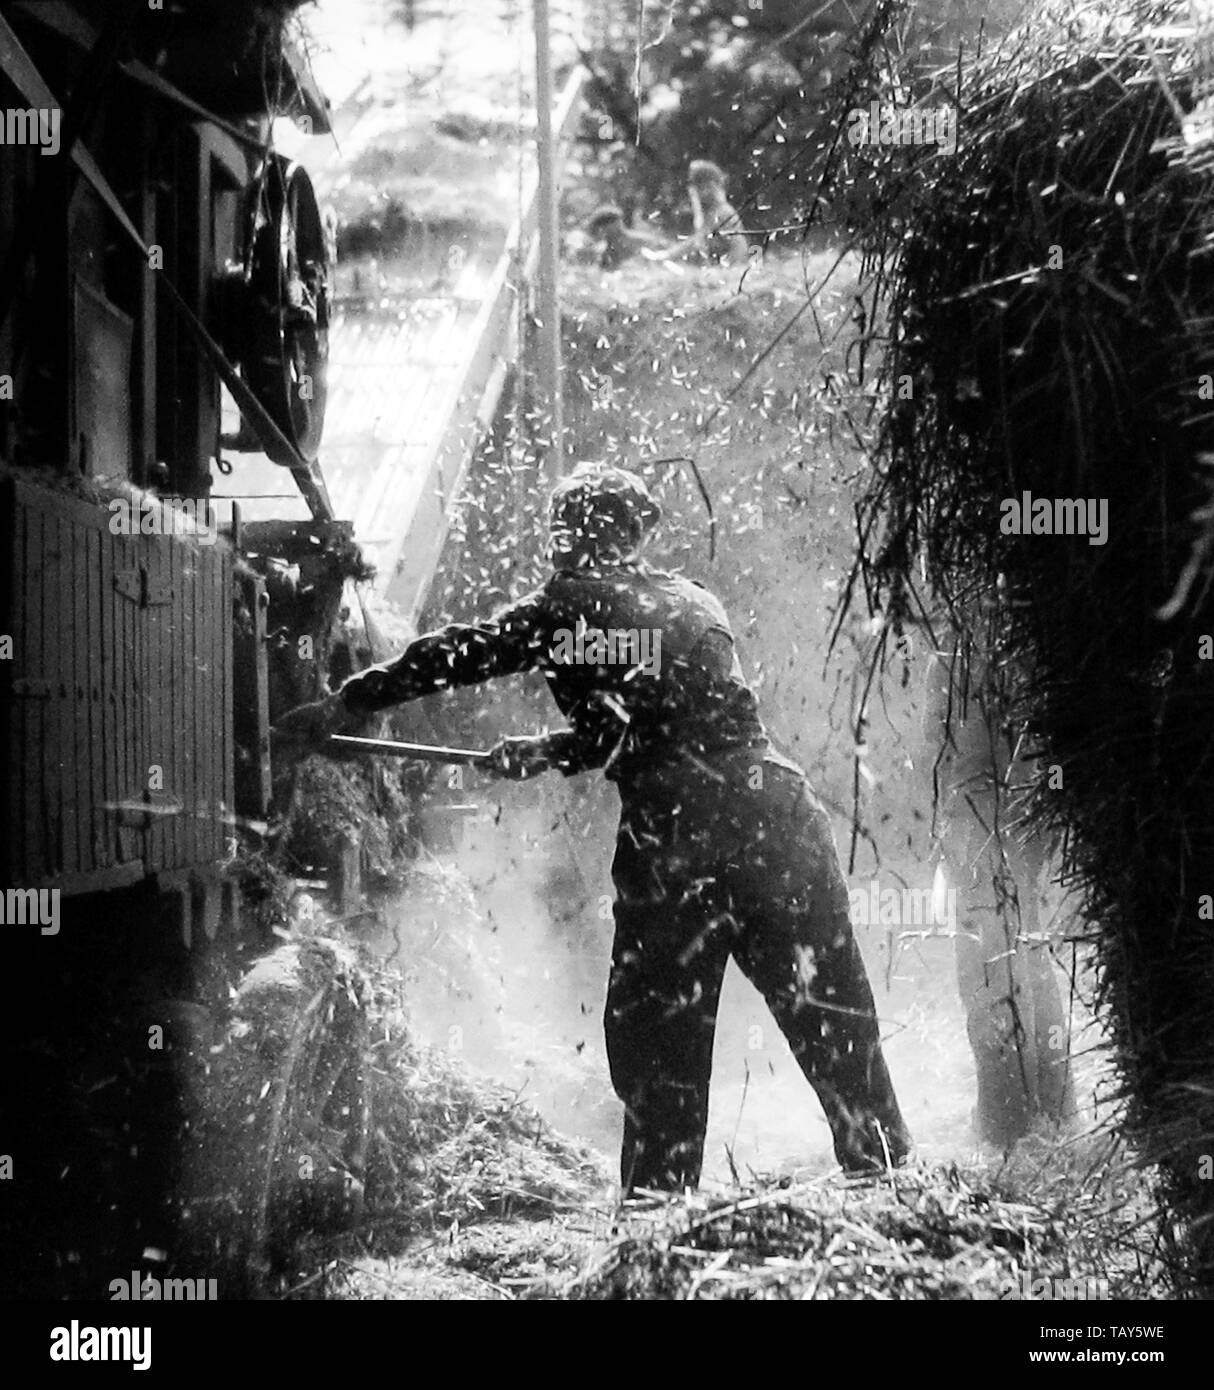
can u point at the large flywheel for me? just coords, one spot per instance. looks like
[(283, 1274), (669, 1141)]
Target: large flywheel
[(288, 268)]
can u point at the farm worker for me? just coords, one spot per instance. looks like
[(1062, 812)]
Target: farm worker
[(717, 233), (722, 849), (617, 242)]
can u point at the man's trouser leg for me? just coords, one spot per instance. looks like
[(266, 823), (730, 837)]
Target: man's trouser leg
[(797, 947), (667, 967)]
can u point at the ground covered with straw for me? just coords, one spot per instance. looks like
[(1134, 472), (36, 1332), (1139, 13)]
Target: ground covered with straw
[(1053, 1225)]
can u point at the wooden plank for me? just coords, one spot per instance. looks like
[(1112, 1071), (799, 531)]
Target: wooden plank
[(145, 649), (202, 721), (205, 716), (209, 703), (186, 677), (79, 790), (193, 620), (9, 782), (62, 578), (424, 534), (210, 715), (12, 537), (22, 716), (43, 734), (227, 771), (126, 692), (168, 696), (219, 708), (170, 701), (141, 680), (97, 880), (97, 856), (110, 720), (198, 757), (53, 594), (159, 707), (250, 721), (215, 708), (42, 724)]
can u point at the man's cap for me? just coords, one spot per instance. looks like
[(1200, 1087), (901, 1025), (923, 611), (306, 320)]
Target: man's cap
[(595, 495), (603, 216), (702, 171)]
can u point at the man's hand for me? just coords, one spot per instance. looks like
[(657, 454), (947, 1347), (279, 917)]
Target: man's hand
[(310, 725), (517, 759)]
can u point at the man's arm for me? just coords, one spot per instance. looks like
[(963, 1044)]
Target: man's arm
[(590, 743), (457, 655)]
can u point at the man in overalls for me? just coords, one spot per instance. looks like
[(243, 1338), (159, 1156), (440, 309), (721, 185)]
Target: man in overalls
[(722, 850)]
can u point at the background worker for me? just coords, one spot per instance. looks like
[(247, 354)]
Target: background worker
[(722, 848), (615, 241), (717, 233)]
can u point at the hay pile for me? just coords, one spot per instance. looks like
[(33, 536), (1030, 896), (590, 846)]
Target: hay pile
[(288, 1164), (1047, 327), (940, 1234), (363, 801), (449, 1146)]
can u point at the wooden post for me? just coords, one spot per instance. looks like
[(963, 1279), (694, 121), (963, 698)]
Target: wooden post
[(548, 398)]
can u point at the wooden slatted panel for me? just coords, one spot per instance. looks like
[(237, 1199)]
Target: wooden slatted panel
[(43, 734), (13, 530), (108, 685), (77, 763), (10, 736), (61, 583), (58, 819), (23, 712)]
